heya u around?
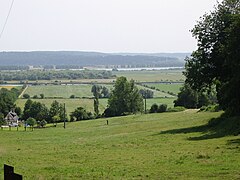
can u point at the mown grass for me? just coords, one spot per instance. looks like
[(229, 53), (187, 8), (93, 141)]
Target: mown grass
[(153, 146)]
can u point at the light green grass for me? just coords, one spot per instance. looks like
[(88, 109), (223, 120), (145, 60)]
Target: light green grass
[(167, 87), (157, 94), (167, 101), (71, 104), (152, 76), (154, 146), (62, 91)]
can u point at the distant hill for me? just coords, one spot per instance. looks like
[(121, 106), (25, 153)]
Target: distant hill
[(80, 58)]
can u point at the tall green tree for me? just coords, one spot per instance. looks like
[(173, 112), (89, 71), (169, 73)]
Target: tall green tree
[(217, 58), (56, 109), (124, 99), (7, 100), (96, 90)]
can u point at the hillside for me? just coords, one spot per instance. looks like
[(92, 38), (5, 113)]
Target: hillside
[(91, 59), (152, 146)]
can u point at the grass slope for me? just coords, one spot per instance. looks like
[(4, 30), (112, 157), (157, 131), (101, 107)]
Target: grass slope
[(152, 146)]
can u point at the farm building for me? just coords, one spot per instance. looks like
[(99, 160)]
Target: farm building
[(12, 118)]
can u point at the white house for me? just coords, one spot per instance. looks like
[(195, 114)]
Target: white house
[(12, 118)]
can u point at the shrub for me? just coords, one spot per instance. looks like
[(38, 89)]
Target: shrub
[(72, 96), (26, 96), (162, 108), (35, 97), (154, 108), (176, 109)]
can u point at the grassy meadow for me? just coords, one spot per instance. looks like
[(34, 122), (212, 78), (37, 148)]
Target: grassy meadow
[(152, 146)]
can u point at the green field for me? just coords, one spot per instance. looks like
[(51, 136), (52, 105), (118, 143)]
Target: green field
[(62, 91), (152, 76), (72, 104), (166, 87), (152, 146)]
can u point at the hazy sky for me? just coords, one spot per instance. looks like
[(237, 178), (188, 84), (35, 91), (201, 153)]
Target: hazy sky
[(101, 25)]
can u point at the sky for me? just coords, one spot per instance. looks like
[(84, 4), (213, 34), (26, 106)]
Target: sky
[(137, 26)]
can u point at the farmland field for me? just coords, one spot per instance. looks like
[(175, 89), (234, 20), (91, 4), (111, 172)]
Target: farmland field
[(152, 146), (72, 104), (62, 91), (152, 76), (166, 87)]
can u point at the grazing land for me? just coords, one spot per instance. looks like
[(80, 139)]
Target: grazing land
[(152, 146)]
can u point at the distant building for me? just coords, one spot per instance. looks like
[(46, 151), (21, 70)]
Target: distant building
[(12, 118)]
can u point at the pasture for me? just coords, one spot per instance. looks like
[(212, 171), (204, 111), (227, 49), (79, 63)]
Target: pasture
[(152, 146)]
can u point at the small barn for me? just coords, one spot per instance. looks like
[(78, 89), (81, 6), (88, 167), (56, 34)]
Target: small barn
[(12, 118)]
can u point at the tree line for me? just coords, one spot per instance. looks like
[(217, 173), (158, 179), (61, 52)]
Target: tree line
[(53, 75)]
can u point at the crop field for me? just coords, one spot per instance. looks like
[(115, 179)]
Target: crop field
[(62, 91), (65, 91), (152, 146), (166, 87), (152, 76), (9, 87), (71, 104)]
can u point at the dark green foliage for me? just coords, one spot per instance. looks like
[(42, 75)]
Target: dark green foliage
[(124, 99), (35, 97), (176, 109), (42, 96), (72, 96), (158, 109), (146, 93), (217, 59), (2, 121), (18, 110), (96, 93), (154, 108), (31, 121), (105, 92), (56, 112), (26, 96), (7, 100), (52, 75), (162, 108), (36, 110), (189, 98), (80, 114)]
